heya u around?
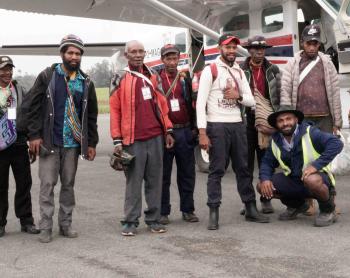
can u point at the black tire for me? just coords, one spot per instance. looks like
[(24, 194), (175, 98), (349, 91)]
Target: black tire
[(202, 162)]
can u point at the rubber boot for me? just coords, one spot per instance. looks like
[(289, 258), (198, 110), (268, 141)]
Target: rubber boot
[(252, 214), (213, 218)]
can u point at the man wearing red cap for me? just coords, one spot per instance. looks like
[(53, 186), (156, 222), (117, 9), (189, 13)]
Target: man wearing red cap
[(222, 131), (62, 126), (177, 89)]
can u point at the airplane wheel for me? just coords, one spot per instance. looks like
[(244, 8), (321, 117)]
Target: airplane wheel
[(202, 159)]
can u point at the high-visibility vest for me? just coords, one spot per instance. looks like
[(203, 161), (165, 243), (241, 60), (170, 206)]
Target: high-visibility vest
[(309, 155)]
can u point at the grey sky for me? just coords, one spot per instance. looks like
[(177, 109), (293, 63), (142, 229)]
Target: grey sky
[(30, 28)]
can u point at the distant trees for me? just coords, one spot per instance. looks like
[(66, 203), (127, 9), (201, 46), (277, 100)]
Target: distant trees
[(101, 74), (26, 80)]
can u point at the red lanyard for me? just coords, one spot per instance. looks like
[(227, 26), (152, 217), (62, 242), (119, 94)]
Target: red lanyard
[(174, 87)]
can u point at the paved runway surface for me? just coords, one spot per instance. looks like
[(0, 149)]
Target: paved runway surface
[(237, 249)]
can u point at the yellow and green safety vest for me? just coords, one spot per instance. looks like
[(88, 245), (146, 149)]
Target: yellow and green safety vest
[(309, 155)]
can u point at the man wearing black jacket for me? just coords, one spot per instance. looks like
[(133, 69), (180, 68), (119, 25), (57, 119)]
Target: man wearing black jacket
[(264, 78), (14, 149), (177, 87), (62, 126)]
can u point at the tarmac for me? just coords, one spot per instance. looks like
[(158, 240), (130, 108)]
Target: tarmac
[(290, 249)]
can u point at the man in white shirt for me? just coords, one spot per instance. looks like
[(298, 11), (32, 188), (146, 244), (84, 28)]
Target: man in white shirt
[(223, 91)]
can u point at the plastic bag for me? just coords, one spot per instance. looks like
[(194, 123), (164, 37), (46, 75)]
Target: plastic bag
[(341, 163)]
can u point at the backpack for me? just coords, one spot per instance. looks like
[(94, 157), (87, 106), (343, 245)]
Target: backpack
[(195, 81)]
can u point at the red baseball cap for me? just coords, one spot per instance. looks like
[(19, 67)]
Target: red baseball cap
[(227, 38)]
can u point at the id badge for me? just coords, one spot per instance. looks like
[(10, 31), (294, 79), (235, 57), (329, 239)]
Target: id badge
[(175, 106), (146, 92), (11, 113)]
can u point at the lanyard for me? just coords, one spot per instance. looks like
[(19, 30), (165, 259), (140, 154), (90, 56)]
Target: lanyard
[(172, 87)]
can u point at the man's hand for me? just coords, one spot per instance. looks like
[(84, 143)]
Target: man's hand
[(34, 146), (91, 153), (309, 170), (169, 141), (204, 142), (118, 149), (336, 130), (32, 157), (231, 93), (267, 189), (265, 130)]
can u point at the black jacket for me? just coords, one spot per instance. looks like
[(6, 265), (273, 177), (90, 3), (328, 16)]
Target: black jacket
[(272, 82), (41, 112)]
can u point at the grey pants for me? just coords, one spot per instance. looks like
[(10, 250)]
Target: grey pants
[(147, 166), (62, 163), (323, 123)]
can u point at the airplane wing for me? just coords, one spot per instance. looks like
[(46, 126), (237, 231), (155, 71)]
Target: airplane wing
[(91, 49), (210, 13)]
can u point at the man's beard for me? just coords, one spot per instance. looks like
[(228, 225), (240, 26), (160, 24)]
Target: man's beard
[(289, 132), (70, 67), (230, 62)]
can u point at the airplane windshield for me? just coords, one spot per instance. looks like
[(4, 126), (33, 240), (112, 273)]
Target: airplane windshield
[(239, 25), (335, 4)]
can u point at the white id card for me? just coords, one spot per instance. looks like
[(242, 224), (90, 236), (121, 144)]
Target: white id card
[(11, 113), (146, 92), (175, 106)]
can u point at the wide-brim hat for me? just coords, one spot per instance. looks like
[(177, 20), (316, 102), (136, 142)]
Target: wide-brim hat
[(284, 109), (258, 42)]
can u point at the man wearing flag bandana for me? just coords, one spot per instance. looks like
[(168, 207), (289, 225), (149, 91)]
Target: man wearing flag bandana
[(62, 126)]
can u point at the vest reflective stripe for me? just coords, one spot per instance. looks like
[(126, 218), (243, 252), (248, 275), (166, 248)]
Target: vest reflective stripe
[(309, 155), (277, 153)]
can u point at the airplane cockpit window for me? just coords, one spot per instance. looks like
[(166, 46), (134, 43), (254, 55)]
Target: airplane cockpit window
[(180, 41), (348, 10), (335, 4), (238, 25), (210, 42), (272, 19)]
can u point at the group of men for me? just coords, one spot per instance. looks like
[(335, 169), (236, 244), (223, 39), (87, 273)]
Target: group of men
[(240, 110)]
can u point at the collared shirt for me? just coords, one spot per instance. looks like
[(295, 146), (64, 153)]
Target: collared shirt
[(76, 87), (289, 146)]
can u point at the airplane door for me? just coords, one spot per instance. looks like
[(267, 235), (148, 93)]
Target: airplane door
[(341, 29)]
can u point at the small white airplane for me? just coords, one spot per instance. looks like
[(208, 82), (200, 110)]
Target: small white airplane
[(280, 21)]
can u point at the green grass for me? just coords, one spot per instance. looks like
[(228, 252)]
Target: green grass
[(103, 100)]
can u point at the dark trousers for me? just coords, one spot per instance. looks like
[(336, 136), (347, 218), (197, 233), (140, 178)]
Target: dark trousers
[(292, 191), (324, 123), (253, 147), (228, 141), (16, 157), (183, 151)]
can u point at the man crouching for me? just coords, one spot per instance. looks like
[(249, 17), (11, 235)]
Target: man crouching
[(303, 152)]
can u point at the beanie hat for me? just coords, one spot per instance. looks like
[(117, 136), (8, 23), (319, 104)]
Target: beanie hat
[(72, 40)]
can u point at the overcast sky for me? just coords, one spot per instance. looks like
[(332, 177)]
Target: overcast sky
[(30, 28)]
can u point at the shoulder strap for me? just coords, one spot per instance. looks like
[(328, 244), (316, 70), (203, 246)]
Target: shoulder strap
[(172, 84), (308, 68), (214, 71)]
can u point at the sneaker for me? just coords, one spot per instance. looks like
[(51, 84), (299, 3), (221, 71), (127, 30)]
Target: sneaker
[(45, 236), (129, 230), (164, 220), (2, 231), (190, 217), (157, 228), (325, 219), (30, 229), (68, 232), (292, 213)]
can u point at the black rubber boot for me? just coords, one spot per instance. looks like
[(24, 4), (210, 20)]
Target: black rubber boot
[(252, 214), (213, 218)]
